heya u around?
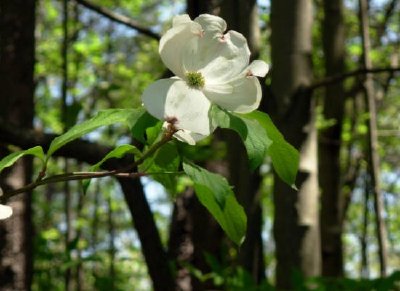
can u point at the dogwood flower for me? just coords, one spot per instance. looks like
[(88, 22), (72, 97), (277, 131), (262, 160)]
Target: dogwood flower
[(5, 211), (209, 67)]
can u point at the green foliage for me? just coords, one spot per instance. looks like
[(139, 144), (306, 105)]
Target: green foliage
[(163, 166), (103, 118), (228, 276), (252, 133), (217, 196), (119, 152), (9, 160), (144, 122), (391, 282), (261, 137), (285, 158)]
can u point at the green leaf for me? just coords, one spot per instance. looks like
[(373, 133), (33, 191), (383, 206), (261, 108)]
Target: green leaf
[(139, 128), (9, 160), (103, 118), (252, 133), (285, 158), (166, 160), (214, 192), (118, 152)]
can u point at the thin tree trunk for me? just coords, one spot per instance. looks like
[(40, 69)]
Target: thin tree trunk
[(373, 154), (67, 188), (17, 46), (95, 224), (330, 142), (364, 269), (79, 280), (111, 243), (296, 218)]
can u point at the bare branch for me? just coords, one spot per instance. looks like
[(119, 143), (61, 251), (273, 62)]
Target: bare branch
[(122, 19), (339, 78)]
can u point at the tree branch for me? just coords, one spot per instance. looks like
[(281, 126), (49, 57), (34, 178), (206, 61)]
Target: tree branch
[(338, 78), (118, 172), (122, 19), (142, 217)]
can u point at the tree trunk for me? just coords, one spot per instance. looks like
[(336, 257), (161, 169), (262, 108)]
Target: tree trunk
[(152, 248), (373, 155), (330, 142), (242, 16), (296, 222), (16, 109)]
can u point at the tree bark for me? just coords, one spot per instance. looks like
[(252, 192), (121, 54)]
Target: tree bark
[(296, 221), (152, 248), (242, 16), (16, 109), (330, 142), (373, 155)]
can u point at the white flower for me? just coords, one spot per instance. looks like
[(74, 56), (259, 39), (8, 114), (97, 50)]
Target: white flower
[(210, 67), (5, 211)]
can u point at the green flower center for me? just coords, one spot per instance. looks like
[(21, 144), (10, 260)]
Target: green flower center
[(195, 80)]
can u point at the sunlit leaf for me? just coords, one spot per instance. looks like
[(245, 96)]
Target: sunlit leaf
[(9, 160), (214, 192), (251, 132), (285, 158), (103, 118)]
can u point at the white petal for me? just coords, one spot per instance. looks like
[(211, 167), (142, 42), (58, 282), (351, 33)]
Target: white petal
[(181, 19), (5, 211), (174, 41), (242, 95), (258, 68), (228, 60), (154, 97), (189, 137), (173, 99), (211, 23)]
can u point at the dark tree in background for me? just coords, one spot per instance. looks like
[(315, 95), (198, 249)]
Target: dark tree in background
[(17, 47), (296, 219), (332, 202)]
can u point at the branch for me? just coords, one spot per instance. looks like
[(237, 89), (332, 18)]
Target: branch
[(142, 217), (74, 176), (122, 19), (338, 78), (389, 12)]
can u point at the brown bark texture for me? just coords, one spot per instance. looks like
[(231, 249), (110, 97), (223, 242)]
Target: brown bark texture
[(242, 16), (330, 142), (296, 218), (16, 109)]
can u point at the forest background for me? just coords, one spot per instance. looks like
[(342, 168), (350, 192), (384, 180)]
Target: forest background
[(333, 91)]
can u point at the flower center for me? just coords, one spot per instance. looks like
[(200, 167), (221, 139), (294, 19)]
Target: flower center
[(195, 80)]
